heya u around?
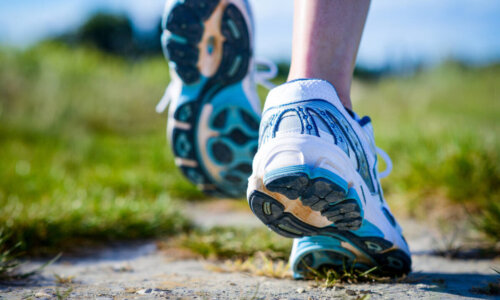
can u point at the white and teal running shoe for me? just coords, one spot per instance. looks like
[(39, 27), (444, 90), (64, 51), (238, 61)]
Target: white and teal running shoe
[(214, 109), (315, 178)]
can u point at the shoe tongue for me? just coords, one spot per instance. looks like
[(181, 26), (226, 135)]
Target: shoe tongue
[(301, 90)]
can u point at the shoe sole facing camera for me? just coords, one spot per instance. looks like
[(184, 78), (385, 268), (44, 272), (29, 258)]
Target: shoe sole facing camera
[(214, 111), (345, 252), (312, 177)]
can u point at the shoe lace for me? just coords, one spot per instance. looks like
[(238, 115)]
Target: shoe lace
[(165, 100), (387, 160), (385, 157), (265, 70)]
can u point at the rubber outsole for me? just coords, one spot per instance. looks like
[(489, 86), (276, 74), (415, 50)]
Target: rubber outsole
[(359, 253), (340, 205), (329, 194), (184, 29)]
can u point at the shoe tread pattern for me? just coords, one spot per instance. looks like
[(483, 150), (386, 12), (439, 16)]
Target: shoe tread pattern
[(390, 260), (184, 23)]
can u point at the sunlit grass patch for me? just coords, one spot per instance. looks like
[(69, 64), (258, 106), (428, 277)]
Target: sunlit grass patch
[(489, 222), (221, 243), (83, 154), (49, 227), (330, 277), (258, 264), (441, 129), (256, 251)]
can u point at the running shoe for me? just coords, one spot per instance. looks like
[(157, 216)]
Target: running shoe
[(214, 111), (315, 177)]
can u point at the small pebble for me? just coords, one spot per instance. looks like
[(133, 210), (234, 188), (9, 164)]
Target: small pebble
[(300, 290), (144, 291), (150, 291), (122, 268), (42, 295)]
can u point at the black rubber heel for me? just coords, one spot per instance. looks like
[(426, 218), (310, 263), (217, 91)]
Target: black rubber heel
[(340, 206)]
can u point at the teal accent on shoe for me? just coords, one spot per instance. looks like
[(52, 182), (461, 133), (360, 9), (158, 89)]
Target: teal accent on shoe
[(321, 251), (233, 94), (168, 35), (191, 91), (236, 136), (368, 229), (312, 173)]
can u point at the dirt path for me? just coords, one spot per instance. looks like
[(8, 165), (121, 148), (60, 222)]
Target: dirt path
[(139, 271)]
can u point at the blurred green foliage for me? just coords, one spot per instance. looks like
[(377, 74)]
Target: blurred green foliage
[(442, 130), (114, 34), (84, 155), (82, 151), (109, 33)]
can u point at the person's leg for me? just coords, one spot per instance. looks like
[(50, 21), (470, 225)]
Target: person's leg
[(326, 36)]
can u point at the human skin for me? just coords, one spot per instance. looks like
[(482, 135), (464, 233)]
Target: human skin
[(326, 37)]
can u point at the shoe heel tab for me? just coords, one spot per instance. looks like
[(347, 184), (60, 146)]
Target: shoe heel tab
[(301, 90)]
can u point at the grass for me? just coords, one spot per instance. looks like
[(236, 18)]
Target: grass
[(220, 243), (256, 251), (490, 289), (441, 129), (258, 264), (62, 295), (62, 280), (83, 154), (43, 227), (8, 258), (9, 263), (328, 278)]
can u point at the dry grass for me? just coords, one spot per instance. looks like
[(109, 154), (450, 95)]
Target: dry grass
[(63, 280), (220, 243), (259, 265), (9, 263), (329, 278)]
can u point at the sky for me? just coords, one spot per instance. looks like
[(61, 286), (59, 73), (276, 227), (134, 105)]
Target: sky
[(396, 32)]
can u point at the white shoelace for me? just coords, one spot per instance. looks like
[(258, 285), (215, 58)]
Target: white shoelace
[(262, 77), (164, 101), (265, 70), (385, 157), (388, 163)]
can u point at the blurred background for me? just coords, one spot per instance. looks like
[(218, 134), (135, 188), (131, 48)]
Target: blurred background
[(83, 155)]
